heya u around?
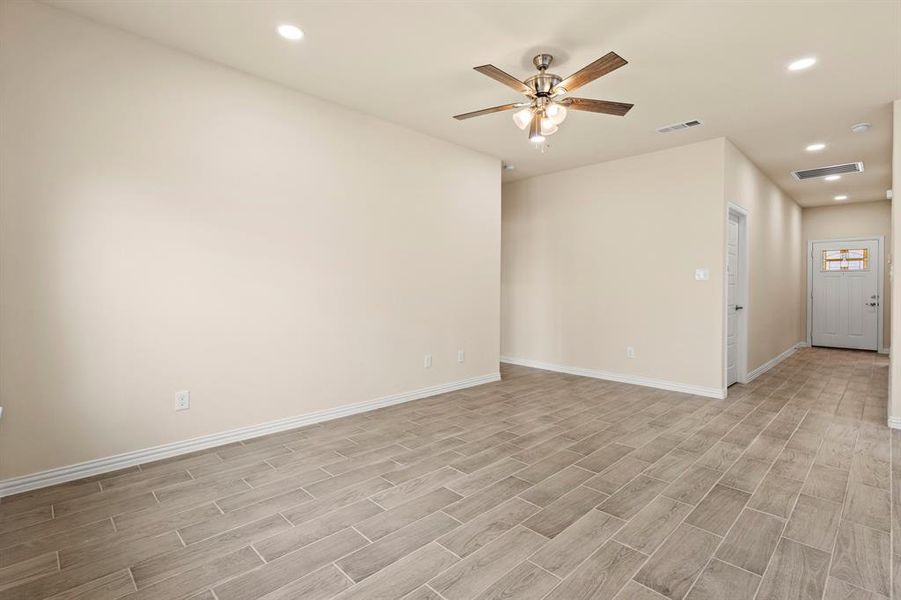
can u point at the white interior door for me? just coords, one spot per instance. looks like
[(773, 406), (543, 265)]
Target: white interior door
[(844, 294), (733, 297)]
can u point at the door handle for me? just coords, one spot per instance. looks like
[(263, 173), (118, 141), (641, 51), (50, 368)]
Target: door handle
[(872, 304), (739, 307)]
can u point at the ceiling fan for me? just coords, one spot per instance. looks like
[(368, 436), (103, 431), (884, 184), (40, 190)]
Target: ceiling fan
[(546, 107)]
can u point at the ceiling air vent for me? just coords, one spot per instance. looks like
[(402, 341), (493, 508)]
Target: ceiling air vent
[(855, 167), (678, 126)]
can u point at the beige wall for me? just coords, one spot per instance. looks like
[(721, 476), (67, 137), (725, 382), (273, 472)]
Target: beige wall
[(171, 224), (603, 257), (861, 219), (775, 261)]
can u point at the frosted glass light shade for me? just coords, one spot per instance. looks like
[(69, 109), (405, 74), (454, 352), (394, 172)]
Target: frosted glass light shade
[(548, 127), (555, 112), (522, 118)]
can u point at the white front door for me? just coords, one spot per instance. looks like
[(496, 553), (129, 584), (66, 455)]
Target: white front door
[(733, 262), (844, 294)]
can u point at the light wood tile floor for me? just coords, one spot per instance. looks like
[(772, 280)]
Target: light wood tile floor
[(542, 485)]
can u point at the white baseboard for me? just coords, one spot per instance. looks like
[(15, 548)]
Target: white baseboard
[(894, 422), (662, 384), (773, 362), (50, 477)]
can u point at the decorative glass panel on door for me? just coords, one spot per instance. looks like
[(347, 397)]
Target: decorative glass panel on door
[(846, 259)]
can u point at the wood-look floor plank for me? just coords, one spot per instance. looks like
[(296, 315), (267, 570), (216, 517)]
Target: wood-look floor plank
[(202, 576), (290, 567), (375, 556), (109, 587), (814, 522), (404, 576), (322, 584), (480, 569), (721, 580), (29, 569), (653, 524), (826, 482), (751, 541), (115, 557), (672, 570), (484, 500), (415, 488), (485, 528), (633, 496), (525, 582), (389, 521), (486, 476), (868, 505), (719, 509), (796, 571), (577, 542), (776, 495), (560, 514), (293, 538), (862, 557), (152, 570), (601, 575), (692, 485)]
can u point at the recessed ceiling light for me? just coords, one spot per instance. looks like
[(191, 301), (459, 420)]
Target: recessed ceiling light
[(841, 197), (815, 147), (290, 32), (861, 128), (802, 63), (832, 177)]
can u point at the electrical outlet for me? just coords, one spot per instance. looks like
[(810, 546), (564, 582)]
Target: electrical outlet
[(427, 361), (182, 400), (461, 356), (630, 352)]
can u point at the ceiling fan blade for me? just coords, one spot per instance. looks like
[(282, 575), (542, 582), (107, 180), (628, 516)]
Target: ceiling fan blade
[(598, 106), (488, 111), (607, 63), (505, 78)]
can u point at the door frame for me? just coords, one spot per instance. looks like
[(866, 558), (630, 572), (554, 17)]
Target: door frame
[(880, 283), (741, 360)]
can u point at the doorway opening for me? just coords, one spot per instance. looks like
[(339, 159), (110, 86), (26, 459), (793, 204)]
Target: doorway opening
[(736, 280), (845, 291)]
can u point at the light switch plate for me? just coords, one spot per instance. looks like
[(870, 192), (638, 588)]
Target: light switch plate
[(702, 274)]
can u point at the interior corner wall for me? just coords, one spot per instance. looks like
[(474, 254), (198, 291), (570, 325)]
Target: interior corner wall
[(775, 259), (602, 257), (860, 219), (169, 224)]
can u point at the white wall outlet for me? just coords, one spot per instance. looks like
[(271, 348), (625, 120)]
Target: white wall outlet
[(702, 274), (630, 352), (461, 356), (182, 400), (427, 361)]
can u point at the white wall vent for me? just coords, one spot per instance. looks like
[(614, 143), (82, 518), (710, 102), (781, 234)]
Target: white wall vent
[(855, 167), (678, 126)]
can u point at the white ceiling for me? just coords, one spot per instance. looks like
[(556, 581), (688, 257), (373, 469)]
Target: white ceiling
[(722, 62)]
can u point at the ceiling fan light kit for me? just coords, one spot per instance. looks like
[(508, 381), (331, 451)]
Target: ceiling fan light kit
[(546, 108)]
